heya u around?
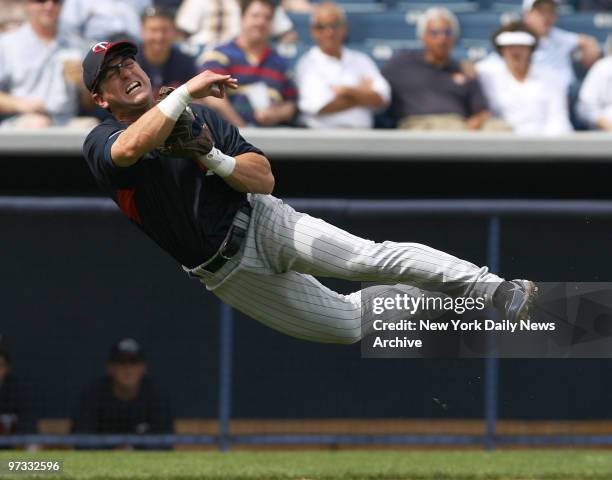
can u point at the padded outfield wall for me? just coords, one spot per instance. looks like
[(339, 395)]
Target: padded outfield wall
[(74, 282)]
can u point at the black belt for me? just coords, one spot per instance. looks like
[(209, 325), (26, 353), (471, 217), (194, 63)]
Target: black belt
[(232, 242)]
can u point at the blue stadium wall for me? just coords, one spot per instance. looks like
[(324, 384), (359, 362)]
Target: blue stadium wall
[(74, 283)]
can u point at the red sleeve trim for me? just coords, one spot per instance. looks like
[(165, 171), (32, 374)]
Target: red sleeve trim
[(127, 204)]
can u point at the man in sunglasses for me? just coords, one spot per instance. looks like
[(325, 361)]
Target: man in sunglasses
[(35, 90), (429, 89), (209, 206), (338, 87)]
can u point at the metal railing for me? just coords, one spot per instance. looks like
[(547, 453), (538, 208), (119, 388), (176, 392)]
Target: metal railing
[(493, 210)]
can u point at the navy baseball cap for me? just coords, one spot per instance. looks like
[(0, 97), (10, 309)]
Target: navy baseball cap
[(126, 350), (95, 60)]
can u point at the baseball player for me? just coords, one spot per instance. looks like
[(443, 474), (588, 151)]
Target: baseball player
[(190, 181)]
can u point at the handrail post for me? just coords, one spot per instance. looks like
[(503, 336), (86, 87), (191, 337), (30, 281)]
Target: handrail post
[(491, 375), (225, 375)]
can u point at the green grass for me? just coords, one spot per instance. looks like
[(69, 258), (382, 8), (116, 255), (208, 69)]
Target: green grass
[(434, 465)]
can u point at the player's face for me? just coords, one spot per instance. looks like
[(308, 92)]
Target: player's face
[(158, 35), (438, 38), (329, 31), (256, 22), (43, 13), (123, 85), (127, 376), (516, 56)]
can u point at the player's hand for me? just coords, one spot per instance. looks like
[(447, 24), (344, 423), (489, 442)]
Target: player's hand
[(181, 142), (210, 84), (30, 105)]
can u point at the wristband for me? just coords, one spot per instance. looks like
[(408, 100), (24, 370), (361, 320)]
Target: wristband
[(174, 104), (218, 162)]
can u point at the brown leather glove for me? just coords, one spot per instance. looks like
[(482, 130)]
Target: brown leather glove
[(181, 142)]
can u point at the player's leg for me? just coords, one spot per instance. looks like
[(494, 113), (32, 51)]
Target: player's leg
[(299, 305), (292, 240)]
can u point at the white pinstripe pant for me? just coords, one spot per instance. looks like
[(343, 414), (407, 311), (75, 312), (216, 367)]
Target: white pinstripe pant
[(272, 278)]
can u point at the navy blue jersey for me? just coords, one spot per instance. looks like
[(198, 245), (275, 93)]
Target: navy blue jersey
[(184, 210)]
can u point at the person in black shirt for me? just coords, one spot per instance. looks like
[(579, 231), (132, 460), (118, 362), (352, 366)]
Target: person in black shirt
[(125, 400), (16, 409), (163, 61), (214, 214)]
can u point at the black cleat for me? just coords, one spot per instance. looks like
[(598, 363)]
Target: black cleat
[(518, 297)]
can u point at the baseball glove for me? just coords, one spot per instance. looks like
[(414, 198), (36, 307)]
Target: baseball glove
[(181, 142)]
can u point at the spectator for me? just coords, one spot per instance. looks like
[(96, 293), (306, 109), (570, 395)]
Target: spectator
[(555, 46), (594, 105), (163, 62), (38, 83), (297, 6), (208, 23), (530, 98), (338, 87), (429, 89), (13, 14), (88, 21), (15, 404), (266, 96), (126, 400)]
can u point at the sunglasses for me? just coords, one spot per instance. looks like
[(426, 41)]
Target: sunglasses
[(446, 32), (56, 2), (327, 26)]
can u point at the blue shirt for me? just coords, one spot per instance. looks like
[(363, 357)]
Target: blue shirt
[(270, 68)]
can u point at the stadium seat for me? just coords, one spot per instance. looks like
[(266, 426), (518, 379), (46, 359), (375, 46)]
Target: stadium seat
[(387, 25), (597, 24), (301, 24), (292, 51), (507, 6), (362, 6), (453, 6), (479, 26)]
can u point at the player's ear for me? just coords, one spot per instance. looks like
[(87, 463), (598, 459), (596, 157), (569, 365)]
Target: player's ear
[(99, 100)]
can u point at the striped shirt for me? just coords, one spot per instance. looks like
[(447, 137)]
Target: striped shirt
[(268, 74)]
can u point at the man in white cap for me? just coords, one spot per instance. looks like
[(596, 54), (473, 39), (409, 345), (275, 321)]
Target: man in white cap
[(555, 46), (530, 98)]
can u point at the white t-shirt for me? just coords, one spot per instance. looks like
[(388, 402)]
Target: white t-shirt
[(555, 52), (97, 20), (212, 22), (536, 106), (30, 67), (595, 98), (316, 73)]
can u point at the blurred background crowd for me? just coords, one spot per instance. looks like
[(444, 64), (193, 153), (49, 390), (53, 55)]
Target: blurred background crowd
[(532, 67)]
